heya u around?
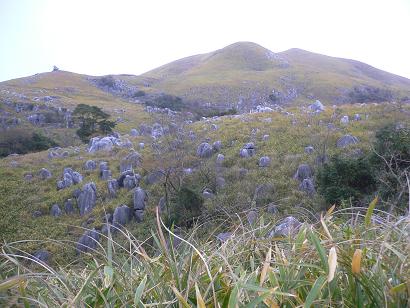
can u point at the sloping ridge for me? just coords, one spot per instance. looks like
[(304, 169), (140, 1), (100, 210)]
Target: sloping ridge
[(248, 70)]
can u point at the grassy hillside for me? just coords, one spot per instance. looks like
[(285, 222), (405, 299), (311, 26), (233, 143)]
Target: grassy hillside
[(21, 197), (248, 72), (46, 93), (139, 265), (218, 239)]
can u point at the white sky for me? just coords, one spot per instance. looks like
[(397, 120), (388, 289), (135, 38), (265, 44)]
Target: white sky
[(110, 37)]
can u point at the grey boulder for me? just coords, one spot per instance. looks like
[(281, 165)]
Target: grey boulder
[(87, 198), (56, 211), (122, 215), (204, 150), (41, 256), (344, 120), (208, 194), (217, 146), (309, 149), (248, 150), (44, 174), (224, 236), (88, 241), (264, 161), (346, 140), (69, 207), (251, 216), (317, 106), (307, 186), (140, 199), (288, 227), (303, 172), (131, 181), (90, 165), (219, 159)]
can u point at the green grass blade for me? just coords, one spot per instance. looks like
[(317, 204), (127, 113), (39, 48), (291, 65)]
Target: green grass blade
[(234, 297), (139, 291), (320, 249), (314, 292), (368, 217)]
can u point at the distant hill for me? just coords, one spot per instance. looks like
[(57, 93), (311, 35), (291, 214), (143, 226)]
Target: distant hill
[(247, 72)]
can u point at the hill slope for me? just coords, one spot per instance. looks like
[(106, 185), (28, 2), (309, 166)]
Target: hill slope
[(248, 73)]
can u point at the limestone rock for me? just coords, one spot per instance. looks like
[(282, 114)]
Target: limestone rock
[(264, 161), (140, 199), (224, 236), (208, 194), (307, 186), (344, 120), (87, 198), (217, 146), (204, 150), (251, 216), (288, 227), (309, 149), (69, 207), (55, 210), (122, 215), (90, 165), (44, 174), (303, 172), (248, 150), (88, 241), (346, 140), (41, 256)]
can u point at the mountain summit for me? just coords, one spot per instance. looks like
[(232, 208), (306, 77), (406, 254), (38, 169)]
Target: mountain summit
[(247, 72)]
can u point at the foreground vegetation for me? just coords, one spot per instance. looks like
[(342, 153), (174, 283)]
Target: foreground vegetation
[(344, 259)]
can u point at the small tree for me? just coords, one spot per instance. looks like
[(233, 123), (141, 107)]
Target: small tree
[(92, 120)]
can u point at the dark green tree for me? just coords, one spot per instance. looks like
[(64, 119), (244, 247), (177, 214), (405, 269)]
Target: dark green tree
[(92, 120)]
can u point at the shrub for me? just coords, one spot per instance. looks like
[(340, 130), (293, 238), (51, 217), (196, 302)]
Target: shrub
[(366, 94), (167, 101), (186, 205), (107, 81), (209, 113), (391, 159), (345, 178), (139, 93), (21, 142)]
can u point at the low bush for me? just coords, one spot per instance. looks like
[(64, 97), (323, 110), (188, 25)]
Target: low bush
[(172, 102), (368, 94), (345, 179), (21, 141), (186, 205)]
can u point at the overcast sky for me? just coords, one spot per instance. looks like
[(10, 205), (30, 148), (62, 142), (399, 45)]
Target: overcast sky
[(110, 37)]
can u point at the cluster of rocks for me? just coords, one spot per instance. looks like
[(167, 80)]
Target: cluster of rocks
[(205, 150), (107, 143), (69, 178), (85, 200), (122, 216), (248, 150), (58, 152), (304, 174), (317, 107)]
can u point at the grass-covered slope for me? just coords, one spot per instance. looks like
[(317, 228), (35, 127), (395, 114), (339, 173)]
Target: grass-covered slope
[(248, 72), (287, 138), (55, 94), (251, 267)]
